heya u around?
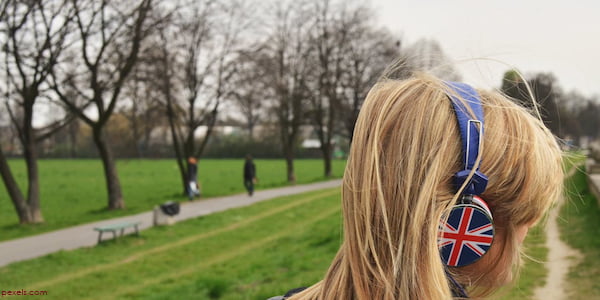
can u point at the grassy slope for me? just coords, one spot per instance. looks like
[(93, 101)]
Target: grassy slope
[(73, 191), (246, 253), (253, 253), (533, 272), (580, 228)]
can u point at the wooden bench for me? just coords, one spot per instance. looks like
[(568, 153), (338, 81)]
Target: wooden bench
[(114, 227)]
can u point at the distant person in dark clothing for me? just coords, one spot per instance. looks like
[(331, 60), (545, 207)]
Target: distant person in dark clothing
[(249, 175), (193, 189)]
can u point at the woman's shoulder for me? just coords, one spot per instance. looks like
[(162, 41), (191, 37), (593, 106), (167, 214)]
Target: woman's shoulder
[(288, 294)]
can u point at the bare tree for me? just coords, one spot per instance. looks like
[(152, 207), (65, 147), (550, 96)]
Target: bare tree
[(545, 90), (568, 115), (547, 93), (3, 8), (142, 109), (195, 62), (284, 59), (110, 35), (35, 34), (371, 51), (162, 64), (588, 118), (330, 38), (251, 92), (212, 35)]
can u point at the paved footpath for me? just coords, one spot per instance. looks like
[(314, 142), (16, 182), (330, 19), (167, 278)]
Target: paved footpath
[(85, 236)]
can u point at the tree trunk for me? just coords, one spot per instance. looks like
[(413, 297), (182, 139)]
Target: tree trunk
[(351, 122), (33, 190), (179, 157), (288, 152), (183, 174), (289, 160), (166, 90), (251, 131), (73, 129), (136, 136), (326, 150), (14, 192), (146, 139), (115, 197), (327, 159)]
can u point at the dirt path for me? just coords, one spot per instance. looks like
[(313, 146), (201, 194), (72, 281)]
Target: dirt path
[(560, 258)]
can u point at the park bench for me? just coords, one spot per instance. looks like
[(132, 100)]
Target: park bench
[(114, 227)]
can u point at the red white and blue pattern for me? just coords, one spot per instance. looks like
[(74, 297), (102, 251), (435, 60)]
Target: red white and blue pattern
[(466, 236)]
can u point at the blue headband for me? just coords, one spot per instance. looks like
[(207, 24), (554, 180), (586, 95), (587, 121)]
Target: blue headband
[(471, 132)]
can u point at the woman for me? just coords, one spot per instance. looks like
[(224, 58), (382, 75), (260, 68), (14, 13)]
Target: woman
[(399, 192)]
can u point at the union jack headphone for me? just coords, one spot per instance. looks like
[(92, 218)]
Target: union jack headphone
[(469, 231)]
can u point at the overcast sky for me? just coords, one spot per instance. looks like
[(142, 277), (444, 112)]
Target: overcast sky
[(562, 37)]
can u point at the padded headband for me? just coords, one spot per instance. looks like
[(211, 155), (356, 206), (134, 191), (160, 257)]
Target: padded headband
[(471, 132)]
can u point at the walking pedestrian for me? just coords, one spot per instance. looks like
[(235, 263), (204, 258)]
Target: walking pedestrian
[(249, 175), (193, 188)]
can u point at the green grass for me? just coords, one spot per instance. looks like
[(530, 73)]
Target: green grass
[(253, 252), (247, 253), (73, 191), (533, 271), (580, 228)]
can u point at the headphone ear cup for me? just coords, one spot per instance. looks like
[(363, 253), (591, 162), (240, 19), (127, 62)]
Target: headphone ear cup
[(467, 235)]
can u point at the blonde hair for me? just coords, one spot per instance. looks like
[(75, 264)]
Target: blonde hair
[(398, 185)]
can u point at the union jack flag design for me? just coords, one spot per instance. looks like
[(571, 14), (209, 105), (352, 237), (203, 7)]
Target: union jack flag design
[(466, 236)]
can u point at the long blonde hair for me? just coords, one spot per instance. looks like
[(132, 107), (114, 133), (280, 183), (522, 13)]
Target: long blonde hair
[(398, 185)]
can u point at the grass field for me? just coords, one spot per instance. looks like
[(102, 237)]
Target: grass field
[(73, 191), (256, 252), (533, 271), (580, 228), (247, 253)]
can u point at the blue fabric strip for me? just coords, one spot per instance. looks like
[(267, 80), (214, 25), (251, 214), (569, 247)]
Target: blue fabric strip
[(471, 132)]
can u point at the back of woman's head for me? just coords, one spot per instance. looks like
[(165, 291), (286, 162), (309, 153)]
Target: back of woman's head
[(398, 186)]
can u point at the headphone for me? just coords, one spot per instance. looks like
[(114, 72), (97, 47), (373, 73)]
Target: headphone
[(468, 232)]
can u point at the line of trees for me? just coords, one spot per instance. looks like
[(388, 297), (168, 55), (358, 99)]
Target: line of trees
[(569, 115), (113, 69), (115, 74)]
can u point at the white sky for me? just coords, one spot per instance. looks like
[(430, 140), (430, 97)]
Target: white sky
[(562, 37)]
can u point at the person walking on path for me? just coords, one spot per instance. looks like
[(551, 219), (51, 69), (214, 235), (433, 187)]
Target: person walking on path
[(249, 175), (193, 189)]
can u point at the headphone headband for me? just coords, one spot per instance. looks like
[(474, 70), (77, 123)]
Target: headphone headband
[(468, 231), (471, 131)]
